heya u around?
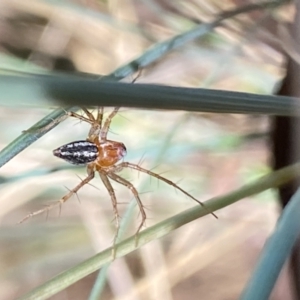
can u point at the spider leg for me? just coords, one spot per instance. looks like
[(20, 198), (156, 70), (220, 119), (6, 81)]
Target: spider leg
[(82, 118), (48, 126), (112, 194), (91, 117), (135, 193), (100, 116), (57, 121), (96, 123), (138, 75), (105, 128), (63, 199), (88, 113), (138, 168)]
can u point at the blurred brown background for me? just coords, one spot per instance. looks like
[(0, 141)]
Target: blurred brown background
[(209, 154)]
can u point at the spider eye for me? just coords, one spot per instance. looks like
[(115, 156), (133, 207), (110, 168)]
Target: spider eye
[(77, 153)]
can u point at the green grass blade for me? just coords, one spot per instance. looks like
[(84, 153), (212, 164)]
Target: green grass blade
[(275, 252), (157, 51), (89, 266), (7, 95), (31, 135), (71, 90), (94, 93)]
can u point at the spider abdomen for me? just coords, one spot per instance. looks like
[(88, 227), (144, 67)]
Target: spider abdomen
[(78, 152)]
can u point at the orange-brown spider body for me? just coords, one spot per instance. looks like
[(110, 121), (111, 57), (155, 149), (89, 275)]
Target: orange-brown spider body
[(102, 155), (96, 154), (110, 152)]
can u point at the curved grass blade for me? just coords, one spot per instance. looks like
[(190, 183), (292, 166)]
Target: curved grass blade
[(153, 54), (32, 134), (275, 252), (92, 264)]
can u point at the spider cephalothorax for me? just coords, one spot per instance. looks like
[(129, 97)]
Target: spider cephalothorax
[(102, 155)]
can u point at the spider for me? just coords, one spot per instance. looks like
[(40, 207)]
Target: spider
[(102, 155)]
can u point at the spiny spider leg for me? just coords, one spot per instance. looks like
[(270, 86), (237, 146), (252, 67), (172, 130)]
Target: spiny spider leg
[(100, 116), (82, 118), (59, 120), (112, 194), (138, 168), (135, 193), (48, 126), (63, 199), (95, 128), (88, 113), (107, 122)]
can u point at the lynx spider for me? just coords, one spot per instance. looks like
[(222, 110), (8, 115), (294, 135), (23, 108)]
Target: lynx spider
[(101, 155)]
